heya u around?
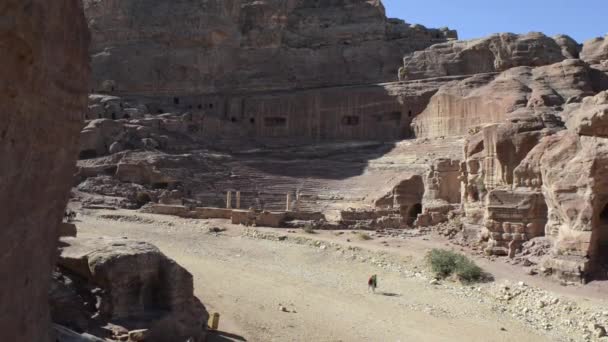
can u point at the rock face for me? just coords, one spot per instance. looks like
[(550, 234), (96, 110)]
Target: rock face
[(525, 180), (220, 46), (595, 50), (44, 72), (496, 53), (137, 286), (517, 92)]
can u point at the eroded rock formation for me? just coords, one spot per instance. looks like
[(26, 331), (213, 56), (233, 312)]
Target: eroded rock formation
[(44, 73), (130, 284), (496, 53)]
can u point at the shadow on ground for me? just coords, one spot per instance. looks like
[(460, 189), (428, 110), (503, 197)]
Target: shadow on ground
[(221, 336)]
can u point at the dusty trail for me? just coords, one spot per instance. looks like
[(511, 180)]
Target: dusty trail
[(247, 279)]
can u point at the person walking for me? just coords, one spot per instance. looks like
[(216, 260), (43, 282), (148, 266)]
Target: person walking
[(372, 283)]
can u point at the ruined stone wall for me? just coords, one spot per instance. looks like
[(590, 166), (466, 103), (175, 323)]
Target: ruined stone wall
[(44, 71)]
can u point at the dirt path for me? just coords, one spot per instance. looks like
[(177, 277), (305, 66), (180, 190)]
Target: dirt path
[(247, 279)]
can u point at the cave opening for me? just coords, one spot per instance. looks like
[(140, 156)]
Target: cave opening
[(415, 210), (599, 257)]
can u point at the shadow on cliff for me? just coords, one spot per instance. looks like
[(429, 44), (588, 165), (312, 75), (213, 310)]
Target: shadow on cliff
[(333, 161)]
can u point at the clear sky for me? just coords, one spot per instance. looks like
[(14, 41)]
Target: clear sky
[(580, 19)]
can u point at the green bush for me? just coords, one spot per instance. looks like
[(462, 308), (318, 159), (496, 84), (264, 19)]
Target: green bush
[(468, 271), (446, 263)]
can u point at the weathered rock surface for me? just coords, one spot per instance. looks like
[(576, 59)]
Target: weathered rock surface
[(595, 50), (137, 286), (44, 73), (518, 92), (220, 46), (496, 53)]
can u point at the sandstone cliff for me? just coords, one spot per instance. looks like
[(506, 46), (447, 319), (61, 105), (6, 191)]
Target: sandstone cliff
[(231, 46), (495, 53), (44, 72)]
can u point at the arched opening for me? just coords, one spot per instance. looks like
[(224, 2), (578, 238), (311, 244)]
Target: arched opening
[(113, 116), (176, 100), (409, 113), (252, 120), (126, 116), (233, 119), (160, 111), (200, 106)]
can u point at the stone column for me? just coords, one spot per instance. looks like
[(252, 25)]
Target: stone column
[(238, 200), (229, 200), (288, 203)]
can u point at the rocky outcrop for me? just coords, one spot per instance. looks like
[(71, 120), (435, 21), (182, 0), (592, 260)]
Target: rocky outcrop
[(133, 285), (221, 46), (518, 92), (590, 118), (44, 73), (531, 180), (496, 53), (595, 50)]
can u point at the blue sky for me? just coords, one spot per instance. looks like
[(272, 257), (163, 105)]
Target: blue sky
[(580, 19)]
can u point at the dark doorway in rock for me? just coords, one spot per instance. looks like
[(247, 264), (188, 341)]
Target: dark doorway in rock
[(160, 185), (412, 213), (88, 154), (415, 210), (176, 100), (599, 251), (113, 116)]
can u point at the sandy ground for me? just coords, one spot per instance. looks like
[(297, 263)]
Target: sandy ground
[(246, 280)]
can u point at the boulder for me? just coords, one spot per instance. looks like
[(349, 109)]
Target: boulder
[(97, 137), (44, 76), (140, 287), (115, 147)]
